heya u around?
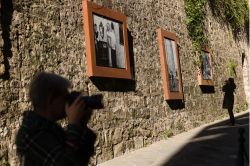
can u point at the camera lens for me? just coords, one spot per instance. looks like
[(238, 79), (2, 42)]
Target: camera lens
[(94, 101)]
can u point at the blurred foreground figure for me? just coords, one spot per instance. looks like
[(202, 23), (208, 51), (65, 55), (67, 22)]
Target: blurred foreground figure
[(40, 140)]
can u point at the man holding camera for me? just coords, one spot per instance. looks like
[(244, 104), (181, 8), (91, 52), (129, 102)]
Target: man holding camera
[(40, 140)]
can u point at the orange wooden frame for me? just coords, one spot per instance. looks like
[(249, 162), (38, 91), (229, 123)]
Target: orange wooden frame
[(201, 79), (168, 94), (89, 10)]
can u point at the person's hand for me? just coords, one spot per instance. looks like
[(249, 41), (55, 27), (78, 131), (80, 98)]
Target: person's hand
[(87, 115), (75, 111)]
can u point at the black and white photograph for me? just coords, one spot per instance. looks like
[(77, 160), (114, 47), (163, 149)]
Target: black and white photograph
[(109, 44), (172, 65), (206, 66)]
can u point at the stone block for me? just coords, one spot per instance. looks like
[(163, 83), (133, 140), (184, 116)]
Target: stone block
[(119, 149), (117, 136), (139, 142), (2, 69)]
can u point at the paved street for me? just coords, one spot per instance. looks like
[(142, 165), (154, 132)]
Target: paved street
[(214, 144)]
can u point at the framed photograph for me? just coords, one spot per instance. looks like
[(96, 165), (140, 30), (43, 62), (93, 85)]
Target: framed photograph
[(170, 65), (205, 75), (106, 42)]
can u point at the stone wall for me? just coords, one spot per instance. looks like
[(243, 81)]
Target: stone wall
[(48, 35)]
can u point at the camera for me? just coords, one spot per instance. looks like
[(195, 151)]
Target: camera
[(94, 101)]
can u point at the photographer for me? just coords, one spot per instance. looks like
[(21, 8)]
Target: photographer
[(40, 140), (228, 101)]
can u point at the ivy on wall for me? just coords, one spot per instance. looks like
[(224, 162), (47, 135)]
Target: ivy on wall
[(232, 68), (195, 21), (233, 12)]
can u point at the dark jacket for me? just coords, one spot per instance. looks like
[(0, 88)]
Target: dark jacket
[(228, 88), (42, 142)]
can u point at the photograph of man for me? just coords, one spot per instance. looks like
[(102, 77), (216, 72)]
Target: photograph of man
[(172, 65), (102, 47), (206, 67)]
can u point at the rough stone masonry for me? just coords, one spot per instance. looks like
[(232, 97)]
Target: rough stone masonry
[(48, 35)]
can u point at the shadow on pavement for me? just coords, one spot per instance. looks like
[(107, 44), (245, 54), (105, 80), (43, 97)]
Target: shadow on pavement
[(216, 145)]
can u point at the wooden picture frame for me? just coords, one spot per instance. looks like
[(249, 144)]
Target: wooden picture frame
[(170, 65), (107, 51), (205, 73)]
